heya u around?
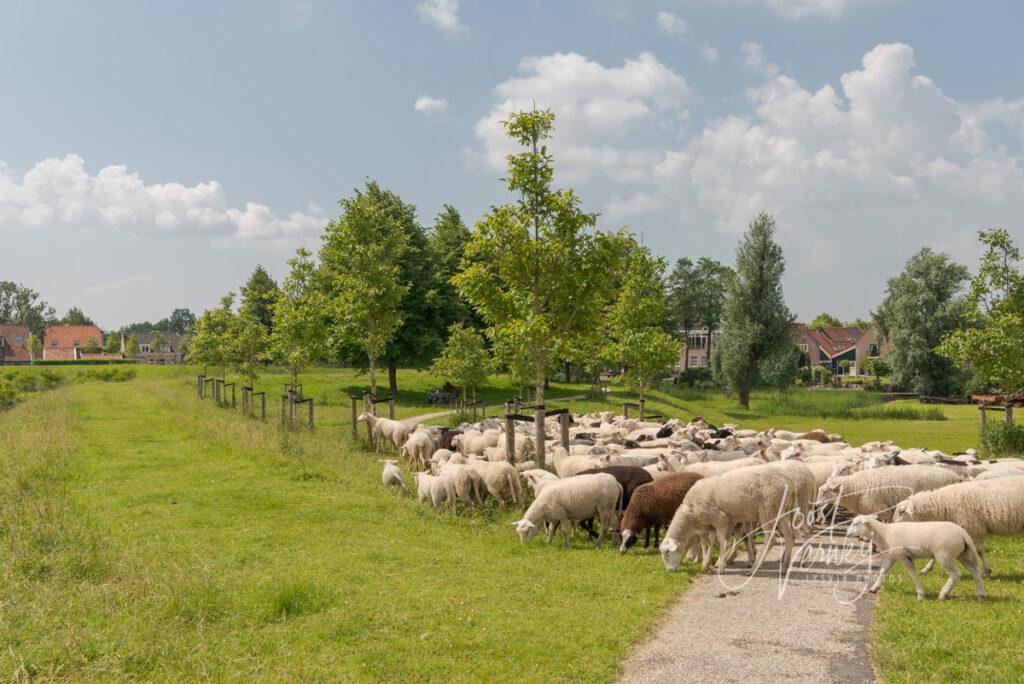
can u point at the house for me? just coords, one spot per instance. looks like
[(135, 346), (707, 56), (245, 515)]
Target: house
[(14, 349), (67, 342), (830, 347), (168, 354), (701, 341)]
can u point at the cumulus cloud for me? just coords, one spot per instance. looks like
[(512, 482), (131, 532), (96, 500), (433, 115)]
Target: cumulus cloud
[(442, 15), (670, 24), (756, 62), (431, 106), (61, 191), (709, 53), (798, 9), (600, 110)]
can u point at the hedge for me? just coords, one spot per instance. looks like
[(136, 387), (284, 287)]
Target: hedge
[(82, 362)]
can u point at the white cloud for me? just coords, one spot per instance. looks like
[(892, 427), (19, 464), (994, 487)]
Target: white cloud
[(442, 15), (431, 106), (755, 60), (62, 192), (798, 9), (671, 24), (709, 53), (601, 111)]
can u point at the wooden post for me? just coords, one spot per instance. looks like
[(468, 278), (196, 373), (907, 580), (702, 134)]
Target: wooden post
[(199, 386), (981, 414), (284, 408), (641, 402), (355, 417), (510, 440), (244, 404), (1009, 416), (538, 418), (625, 410), (310, 414), (233, 404), (263, 405), (563, 421), (391, 408)]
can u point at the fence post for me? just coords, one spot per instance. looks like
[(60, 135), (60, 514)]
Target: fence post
[(391, 408), (310, 414), (1009, 415), (641, 402), (355, 422), (981, 414), (263, 405), (199, 386), (563, 421), (284, 409), (510, 440), (538, 418), (625, 410), (233, 404)]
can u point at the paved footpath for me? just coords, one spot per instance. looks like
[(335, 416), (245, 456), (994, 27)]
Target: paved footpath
[(737, 628)]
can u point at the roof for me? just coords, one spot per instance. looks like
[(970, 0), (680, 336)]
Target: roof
[(15, 343), (65, 336), (173, 338), (832, 341)]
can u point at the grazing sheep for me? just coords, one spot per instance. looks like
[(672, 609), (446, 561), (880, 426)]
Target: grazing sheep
[(392, 476), (802, 480), (653, 505), (566, 465), (500, 479), (712, 468), (1004, 471), (418, 449), (437, 488), (474, 443), (980, 507), (466, 480), (944, 542), (380, 428), (571, 500), (630, 477), (538, 478), (878, 490), (760, 495)]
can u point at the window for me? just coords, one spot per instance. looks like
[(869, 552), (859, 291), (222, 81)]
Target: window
[(53, 343), (1, 341), (873, 350), (74, 343), (144, 348), (697, 340), (693, 361), (803, 347), (18, 339)]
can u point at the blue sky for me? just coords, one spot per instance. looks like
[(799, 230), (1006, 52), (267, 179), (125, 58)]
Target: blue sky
[(152, 153)]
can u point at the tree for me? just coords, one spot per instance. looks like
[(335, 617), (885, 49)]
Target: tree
[(860, 323), (921, 306), (132, 349), (112, 343), (247, 345), (158, 343), (464, 361), (20, 305), (696, 295), (825, 320), (637, 344), (209, 344), (76, 316), (756, 322), (299, 334), (91, 346), (180, 321), (992, 345), (35, 346), (533, 266), (447, 242), (258, 296), (361, 261)]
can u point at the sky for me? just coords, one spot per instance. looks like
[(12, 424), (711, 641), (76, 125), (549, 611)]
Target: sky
[(152, 153)]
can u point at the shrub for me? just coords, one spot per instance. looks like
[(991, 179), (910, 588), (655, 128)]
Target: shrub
[(696, 377), (82, 362), (1000, 439)]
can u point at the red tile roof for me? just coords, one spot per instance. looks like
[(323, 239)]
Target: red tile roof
[(59, 340), (833, 341), (15, 343)]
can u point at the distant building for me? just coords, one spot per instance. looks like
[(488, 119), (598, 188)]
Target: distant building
[(169, 354), (830, 347), (701, 341), (66, 342), (14, 349)]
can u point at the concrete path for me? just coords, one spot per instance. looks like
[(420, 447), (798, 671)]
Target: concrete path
[(411, 422), (737, 628)]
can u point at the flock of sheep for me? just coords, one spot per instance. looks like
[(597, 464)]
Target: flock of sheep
[(711, 487)]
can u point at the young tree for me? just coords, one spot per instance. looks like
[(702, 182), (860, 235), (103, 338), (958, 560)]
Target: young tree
[(209, 344), (825, 320), (532, 267), (247, 345), (361, 261), (994, 346), (132, 349), (76, 316), (447, 243), (756, 322), (35, 346), (861, 323), (921, 306), (112, 343), (464, 361), (299, 334), (91, 346), (21, 305), (696, 296), (158, 343), (258, 296), (180, 321), (637, 344)]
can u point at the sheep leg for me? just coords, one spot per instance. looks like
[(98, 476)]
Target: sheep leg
[(705, 550), (647, 538), (949, 565), (882, 571), (723, 547), (984, 560), (551, 530), (928, 566), (565, 532), (908, 563), (967, 559)]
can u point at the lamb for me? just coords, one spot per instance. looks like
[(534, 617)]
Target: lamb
[(878, 490), (500, 479), (438, 489), (981, 507), (380, 428), (802, 480), (538, 478), (418, 449), (712, 468), (944, 542), (995, 473), (761, 495), (566, 465), (474, 443), (570, 500), (466, 480), (392, 476), (653, 505)]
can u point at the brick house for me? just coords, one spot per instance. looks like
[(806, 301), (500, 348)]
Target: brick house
[(66, 342), (14, 349), (831, 346), (168, 355), (701, 341)]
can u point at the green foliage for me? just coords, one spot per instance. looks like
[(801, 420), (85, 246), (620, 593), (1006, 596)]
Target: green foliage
[(447, 243), (132, 349), (755, 345), (257, 298), (861, 323), (112, 343), (21, 305), (75, 316), (361, 259), (464, 361), (921, 306), (180, 321), (91, 346), (821, 375), (159, 343), (209, 343), (118, 374), (696, 295), (299, 336), (636, 344), (82, 362), (248, 345), (999, 439), (992, 348), (697, 378), (825, 320)]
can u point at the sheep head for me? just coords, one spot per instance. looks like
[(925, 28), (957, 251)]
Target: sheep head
[(904, 511), (628, 540), (525, 529), (861, 527)]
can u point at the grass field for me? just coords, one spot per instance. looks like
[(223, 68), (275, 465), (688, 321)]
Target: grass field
[(148, 535)]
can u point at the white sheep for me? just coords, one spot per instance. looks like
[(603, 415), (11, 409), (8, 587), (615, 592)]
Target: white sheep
[(878, 490), (567, 466), (381, 428), (500, 479), (392, 476), (418, 449), (466, 480), (571, 500), (980, 507), (437, 488), (944, 542), (475, 443), (538, 478)]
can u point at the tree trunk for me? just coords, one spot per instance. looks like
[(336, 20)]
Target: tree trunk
[(392, 378), (686, 353), (295, 376), (538, 421), (568, 372), (373, 373)]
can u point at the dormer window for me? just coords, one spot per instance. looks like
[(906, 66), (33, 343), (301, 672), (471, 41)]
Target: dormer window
[(74, 343)]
